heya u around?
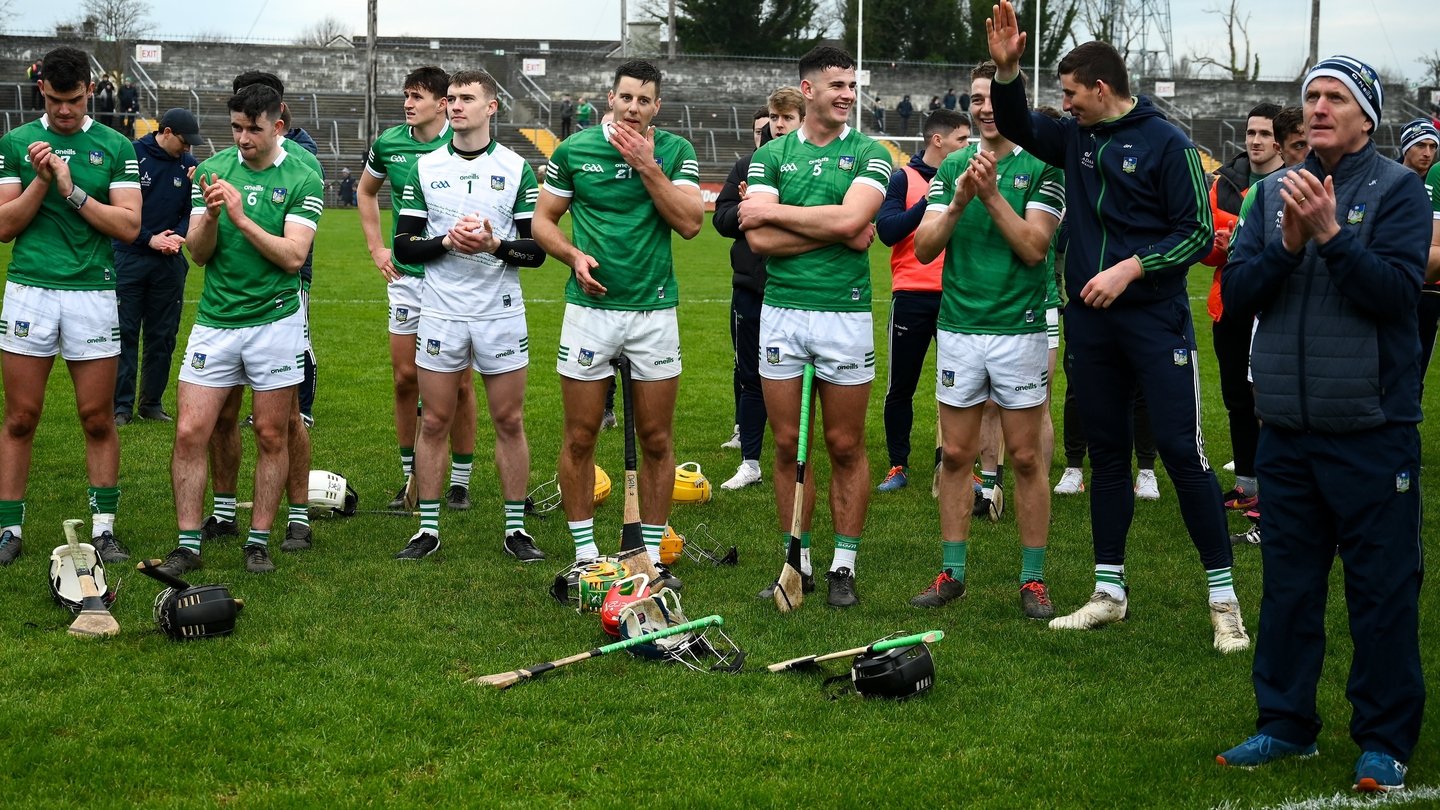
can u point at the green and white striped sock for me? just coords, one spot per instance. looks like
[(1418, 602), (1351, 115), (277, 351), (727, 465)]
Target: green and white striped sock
[(104, 503), (407, 461), (460, 466), (430, 517), (583, 533), (225, 506), (299, 513), (1222, 584), (1111, 580), (258, 537), (652, 535), (190, 541), (514, 517)]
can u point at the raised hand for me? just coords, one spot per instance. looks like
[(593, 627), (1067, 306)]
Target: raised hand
[(1006, 40)]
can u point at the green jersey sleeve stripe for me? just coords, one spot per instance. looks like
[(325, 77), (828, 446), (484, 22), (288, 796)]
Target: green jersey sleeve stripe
[(415, 212), (684, 181), (309, 223), (125, 184), (761, 189), (559, 192), (6, 181), (1037, 205)]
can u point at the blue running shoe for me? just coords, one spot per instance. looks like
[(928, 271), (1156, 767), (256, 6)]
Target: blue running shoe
[(1262, 749), (895, 479), (1378, 773)]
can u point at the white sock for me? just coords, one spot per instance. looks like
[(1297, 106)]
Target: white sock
[(100, 523), (1111, 580), (844, 558)]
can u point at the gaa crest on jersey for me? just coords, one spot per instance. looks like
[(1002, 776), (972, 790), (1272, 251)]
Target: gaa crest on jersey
[(497, 182), (1128, 165), (432, 347), (1402, 482), (772, 355), (277, 195), (97, 157), (505, 301), (402, 314), (176, 181), (847, 162), (947, 378), (1021, 182), (586, 358), (1355, 215), (197, 360), (1180, 357), (22, 329)]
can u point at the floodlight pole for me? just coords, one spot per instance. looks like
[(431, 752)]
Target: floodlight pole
[(859, 63), (624, 31), (1039, 4), (371, 123)]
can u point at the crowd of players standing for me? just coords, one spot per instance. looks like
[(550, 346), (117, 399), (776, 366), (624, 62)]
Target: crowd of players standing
[(1321, 261)]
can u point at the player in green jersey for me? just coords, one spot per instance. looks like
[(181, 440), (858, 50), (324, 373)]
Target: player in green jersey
[(812, 198), (465, 214), (627, 187), (68, 185), (993, 211), (225, 441), (392, 157), (254, 220)]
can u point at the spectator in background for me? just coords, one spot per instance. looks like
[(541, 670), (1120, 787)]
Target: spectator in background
[(934, 104), (951, 99), (1418, 143), (33, 75), (567, 116), (346, 189), (583, 113), (105, 101), (129, 107), (879, 112), (905, 109), (150, 271)]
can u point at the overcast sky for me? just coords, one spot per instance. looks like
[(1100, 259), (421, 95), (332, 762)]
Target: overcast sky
[(1388, 34)]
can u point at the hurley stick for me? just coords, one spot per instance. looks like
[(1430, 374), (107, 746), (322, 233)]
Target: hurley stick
[(879, 646), (506, 679), (789, 586), (94, 620), (630, 536)]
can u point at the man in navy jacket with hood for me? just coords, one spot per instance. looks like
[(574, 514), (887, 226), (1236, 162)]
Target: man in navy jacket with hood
[(1138, 215)]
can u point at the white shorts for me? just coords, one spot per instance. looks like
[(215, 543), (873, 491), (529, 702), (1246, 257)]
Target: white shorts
[(1052, 327), (404, 294), (840, 344), (75, 324), (590, 338), (490, 346), (265, 357), (1013, 370)]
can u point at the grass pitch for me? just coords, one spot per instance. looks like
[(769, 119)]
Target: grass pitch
[(344, 683)]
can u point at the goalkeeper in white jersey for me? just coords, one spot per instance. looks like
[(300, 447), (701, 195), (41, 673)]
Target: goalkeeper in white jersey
[(465, 215)]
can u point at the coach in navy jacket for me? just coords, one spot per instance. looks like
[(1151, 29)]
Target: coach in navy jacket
[(1139, 216), (1331, 254), (150, 272)]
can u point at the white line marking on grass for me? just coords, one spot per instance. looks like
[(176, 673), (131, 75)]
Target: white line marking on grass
[(1342, 801)]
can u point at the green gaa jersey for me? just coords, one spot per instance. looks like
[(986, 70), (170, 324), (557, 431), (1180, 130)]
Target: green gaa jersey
[(59, 250), (615, 221), (833, 278), (986, 289), (393, 157), (498, 185), (243, 288)]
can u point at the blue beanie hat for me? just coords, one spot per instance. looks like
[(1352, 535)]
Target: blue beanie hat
[(1416, 131), (1360, 78)]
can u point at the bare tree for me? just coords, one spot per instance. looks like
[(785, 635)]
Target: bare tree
[(117, 24), (322, 31), (7, 10), (1431, 62), (1104, 20), (1241, 65)]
